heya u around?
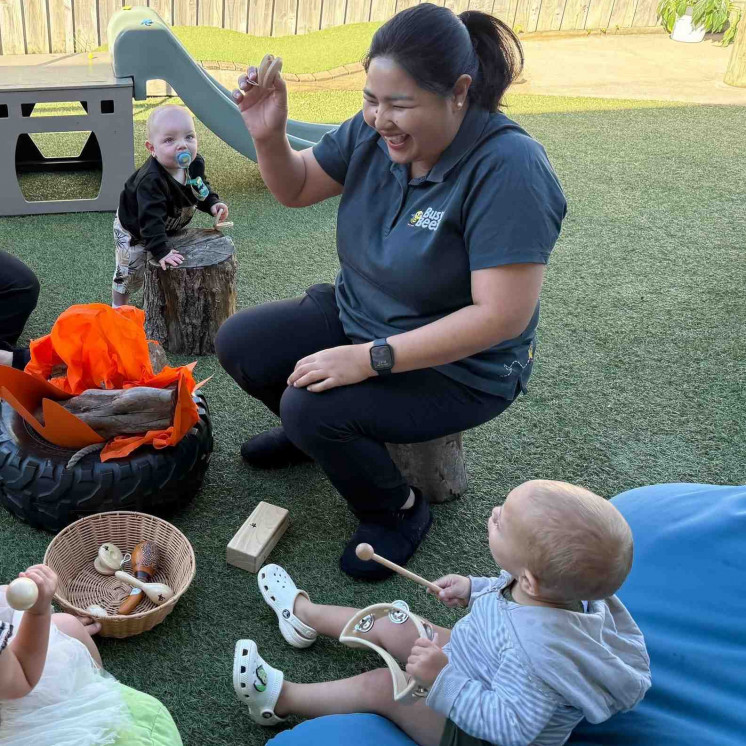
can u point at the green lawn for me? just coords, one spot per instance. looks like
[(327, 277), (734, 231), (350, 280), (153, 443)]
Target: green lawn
[(305, 53), (640, 378)]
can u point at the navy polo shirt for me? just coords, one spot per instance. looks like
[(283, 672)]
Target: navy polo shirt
[(407, 247)]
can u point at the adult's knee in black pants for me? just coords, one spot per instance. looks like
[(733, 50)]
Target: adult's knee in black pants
[(228, 342), (312, 420), (23, 286), (29, 292), (19, 293), (240, 346)]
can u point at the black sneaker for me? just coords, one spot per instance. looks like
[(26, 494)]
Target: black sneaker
[(394, 535), (271, 450)]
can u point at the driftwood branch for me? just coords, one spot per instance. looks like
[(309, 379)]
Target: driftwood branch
[(111, 412)]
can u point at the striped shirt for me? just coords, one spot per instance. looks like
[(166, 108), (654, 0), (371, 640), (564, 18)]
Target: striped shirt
[(520, 675)]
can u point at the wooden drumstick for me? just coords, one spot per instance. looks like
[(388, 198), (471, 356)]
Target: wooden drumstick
[(365, 552), (21, 594)]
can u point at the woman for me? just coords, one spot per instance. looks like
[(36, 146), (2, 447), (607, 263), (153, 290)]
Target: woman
[(448, 214)]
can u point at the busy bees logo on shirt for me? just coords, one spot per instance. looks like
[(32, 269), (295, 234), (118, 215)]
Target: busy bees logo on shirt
[(428, 220)]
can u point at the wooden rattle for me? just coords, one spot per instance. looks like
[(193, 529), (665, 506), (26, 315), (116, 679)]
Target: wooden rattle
[(269, 69), (109, 559), (365, 552), (406, 688), (22, 594), (158, 593), (145, 557)]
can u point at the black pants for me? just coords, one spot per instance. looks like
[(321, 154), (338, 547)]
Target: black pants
[(19, 291), (344, 429)]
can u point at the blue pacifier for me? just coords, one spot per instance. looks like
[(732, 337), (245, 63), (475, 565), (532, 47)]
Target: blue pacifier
[(199, 188)]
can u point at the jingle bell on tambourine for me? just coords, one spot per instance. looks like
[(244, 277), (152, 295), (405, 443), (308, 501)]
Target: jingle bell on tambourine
[(144, 561)]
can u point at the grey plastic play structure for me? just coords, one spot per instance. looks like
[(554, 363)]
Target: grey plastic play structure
[(142, 48), (106, 112)]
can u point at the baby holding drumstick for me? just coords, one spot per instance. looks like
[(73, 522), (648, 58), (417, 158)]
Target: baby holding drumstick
[(53, 688), (545, 643)]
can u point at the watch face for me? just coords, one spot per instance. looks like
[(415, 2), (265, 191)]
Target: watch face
[(380, 357)]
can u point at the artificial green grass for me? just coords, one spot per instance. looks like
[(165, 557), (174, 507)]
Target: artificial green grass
[(304, 53), (639, 379)]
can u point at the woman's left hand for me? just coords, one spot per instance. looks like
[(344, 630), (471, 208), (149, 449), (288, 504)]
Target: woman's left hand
[(336, 366)]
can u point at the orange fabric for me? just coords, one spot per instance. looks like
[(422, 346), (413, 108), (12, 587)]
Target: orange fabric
[(27, 395), (104, 347)]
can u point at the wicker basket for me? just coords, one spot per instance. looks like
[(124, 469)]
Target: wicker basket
[(71, 553)]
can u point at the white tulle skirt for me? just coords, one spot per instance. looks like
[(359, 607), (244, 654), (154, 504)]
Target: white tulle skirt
[(74, 704)]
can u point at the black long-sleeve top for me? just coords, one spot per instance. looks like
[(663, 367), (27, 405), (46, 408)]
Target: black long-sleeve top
[(153, 205)]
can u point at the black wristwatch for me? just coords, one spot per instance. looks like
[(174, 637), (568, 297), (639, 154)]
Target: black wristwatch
[(382, 357)]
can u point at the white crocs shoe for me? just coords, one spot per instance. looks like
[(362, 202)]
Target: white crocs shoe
[(279, 591), (256, 683)]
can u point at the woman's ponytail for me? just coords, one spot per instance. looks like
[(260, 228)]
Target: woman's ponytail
[(500, 57)]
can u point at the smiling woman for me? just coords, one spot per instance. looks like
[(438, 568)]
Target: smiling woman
[(448, 215)]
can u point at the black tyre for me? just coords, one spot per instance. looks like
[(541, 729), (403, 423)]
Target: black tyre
[(37, 486)]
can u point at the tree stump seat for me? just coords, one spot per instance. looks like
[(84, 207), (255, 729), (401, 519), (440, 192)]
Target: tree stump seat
[(436, 467), (186, 305)]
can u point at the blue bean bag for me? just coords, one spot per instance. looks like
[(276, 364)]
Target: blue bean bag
[(687, 591)]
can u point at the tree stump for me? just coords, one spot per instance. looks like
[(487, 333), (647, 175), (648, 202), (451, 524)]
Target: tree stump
[(736, 73), (436, 467), (185, 305)]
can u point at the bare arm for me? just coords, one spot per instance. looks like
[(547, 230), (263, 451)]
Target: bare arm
[(22, 662), (504, 299), (294, 178)]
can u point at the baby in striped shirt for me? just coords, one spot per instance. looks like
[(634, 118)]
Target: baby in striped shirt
[(545, 643)]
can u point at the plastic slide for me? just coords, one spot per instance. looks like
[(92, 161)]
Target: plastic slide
[(143, 48)]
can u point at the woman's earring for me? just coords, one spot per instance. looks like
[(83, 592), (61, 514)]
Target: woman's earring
[(459, 104)]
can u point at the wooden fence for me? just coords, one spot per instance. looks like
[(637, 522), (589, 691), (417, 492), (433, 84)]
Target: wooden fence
[(33, 26)]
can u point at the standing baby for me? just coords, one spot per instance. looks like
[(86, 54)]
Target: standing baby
[(160, 199)]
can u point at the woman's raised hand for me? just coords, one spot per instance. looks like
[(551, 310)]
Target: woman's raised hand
[(262, 98)]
